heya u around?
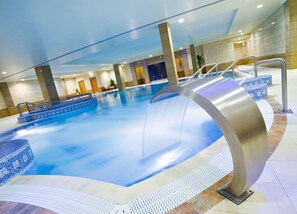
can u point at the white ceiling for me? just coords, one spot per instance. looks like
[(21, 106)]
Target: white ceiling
[(80, 35)]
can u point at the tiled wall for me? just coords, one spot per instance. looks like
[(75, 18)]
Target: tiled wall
[(128, 73), (105, 76), (219, 51), (269, 39), (27, 91), (2, 102), (59, 87), (70, 85)]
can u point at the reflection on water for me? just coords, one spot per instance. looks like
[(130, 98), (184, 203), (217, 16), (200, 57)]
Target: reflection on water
[(106, 144)]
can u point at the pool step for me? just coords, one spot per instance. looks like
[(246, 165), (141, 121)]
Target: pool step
[(257, 92), (257, 86), (260, 80)]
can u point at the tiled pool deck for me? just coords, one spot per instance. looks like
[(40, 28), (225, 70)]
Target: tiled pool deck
[(275, 191)]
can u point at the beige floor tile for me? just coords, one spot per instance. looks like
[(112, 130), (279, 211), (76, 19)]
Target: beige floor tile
[(285, 152)]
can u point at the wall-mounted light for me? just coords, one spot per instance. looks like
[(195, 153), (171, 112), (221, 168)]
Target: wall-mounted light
[(3, 72), (91, 73), (273, 23), (259, 6), (125, 62), (181, 48), (150, 55), (22, 80), (240, 31)]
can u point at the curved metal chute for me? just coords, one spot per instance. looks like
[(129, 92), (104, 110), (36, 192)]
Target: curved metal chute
[(241, 122)]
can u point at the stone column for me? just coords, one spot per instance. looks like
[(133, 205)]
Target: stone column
[(120, 80), (133, 73), (145, 72), (291, 33), (194, 59), (185, 62), (46, 83), (6, 94), (168, 53)]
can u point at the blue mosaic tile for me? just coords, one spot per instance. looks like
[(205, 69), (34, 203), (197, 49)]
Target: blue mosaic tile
[(257, 91), (61, 109), (15, 162), (260, 80)]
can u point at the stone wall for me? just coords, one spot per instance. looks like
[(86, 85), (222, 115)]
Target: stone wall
[(218, 51), (26, 91), (2, 102), (269, 38)]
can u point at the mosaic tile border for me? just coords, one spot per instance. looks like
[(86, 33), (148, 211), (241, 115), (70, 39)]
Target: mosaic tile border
[(16, 162), (257, 92), (79, 107), (259, 80)]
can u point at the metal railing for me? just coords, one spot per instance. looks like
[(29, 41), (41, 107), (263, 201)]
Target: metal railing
[(45, 106), (283, 66), (215, 67), (200, 70), (236, 61)]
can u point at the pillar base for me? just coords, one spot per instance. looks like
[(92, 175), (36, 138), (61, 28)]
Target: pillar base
[(237, 200), (291, 60)]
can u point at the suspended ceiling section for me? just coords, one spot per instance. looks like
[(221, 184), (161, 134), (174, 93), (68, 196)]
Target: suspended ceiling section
[(74, 36)]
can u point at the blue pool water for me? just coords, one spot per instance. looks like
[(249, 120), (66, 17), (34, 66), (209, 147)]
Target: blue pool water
[(106, 144)]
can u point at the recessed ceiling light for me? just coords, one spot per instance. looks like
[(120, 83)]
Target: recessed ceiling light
[(150, 55), (23, 79), (259, 6), (272, 23), (239, 31), (181, 20), (3, 72)]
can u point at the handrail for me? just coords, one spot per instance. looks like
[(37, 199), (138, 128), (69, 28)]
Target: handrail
[(34, 108), (216, 67), (283, 65), (236, 61), (199, 70), (19, 107)]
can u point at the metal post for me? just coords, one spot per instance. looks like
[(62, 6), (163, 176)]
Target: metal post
[(283, 66), (28, 108), (255, 66), (233, 72)]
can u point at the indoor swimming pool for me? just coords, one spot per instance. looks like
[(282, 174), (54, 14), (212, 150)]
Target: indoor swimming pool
[(109, 143)]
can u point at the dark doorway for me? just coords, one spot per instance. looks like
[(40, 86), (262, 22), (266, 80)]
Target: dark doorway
[(157, 71)]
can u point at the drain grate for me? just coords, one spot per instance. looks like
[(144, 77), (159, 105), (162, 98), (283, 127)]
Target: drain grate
[(185, 188), (58, 200)]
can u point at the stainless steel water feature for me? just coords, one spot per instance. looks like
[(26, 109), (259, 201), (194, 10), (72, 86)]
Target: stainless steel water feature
[(241, 122)]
